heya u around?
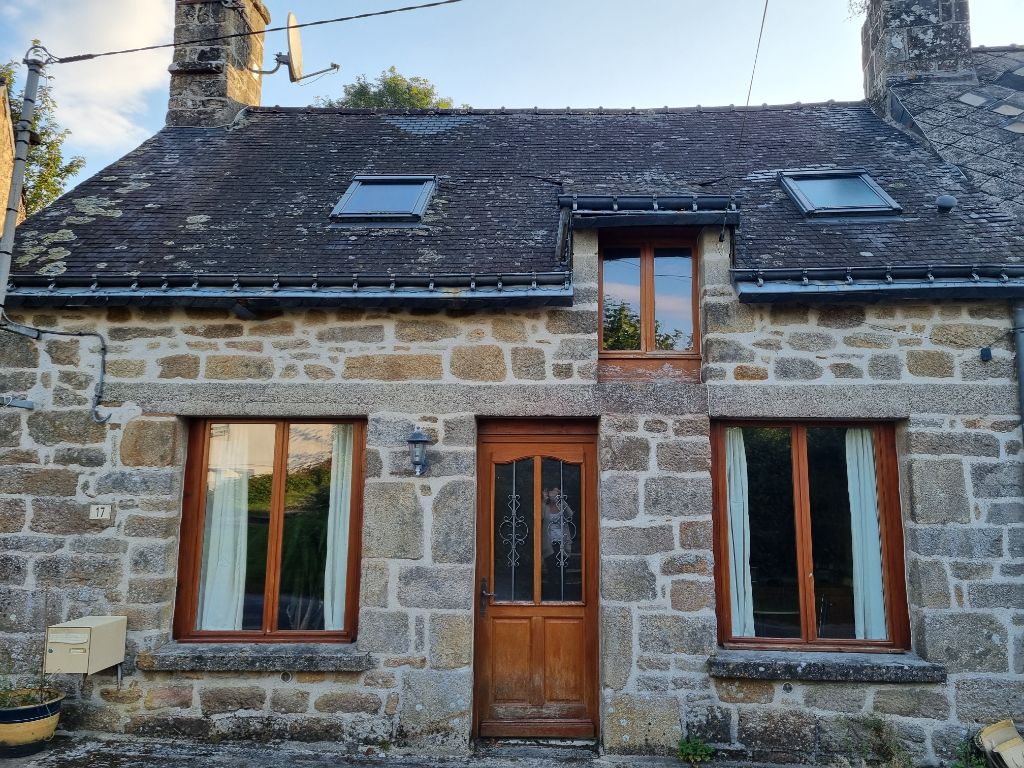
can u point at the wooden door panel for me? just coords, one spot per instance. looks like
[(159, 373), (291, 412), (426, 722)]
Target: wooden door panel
[(536, 660), (564, 660), (511, 670)]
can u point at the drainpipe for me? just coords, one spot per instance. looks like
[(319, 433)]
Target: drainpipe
[(35, 59), (1018, 343)]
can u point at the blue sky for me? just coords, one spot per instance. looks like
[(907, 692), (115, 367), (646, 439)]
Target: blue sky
[(487, 53)]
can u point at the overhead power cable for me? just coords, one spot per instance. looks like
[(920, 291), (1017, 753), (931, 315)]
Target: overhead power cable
[(369, 14), (750, 90)]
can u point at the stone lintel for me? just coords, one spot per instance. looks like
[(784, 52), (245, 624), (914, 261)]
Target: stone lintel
[(360, 398), (255, 657), (825, 667)]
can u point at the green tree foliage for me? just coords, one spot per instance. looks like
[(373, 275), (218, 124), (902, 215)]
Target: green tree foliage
[(391, 90), (47, 172), (622, 329)]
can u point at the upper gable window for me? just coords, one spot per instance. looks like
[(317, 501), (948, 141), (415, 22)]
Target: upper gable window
[(825, 193), (385, 198), (647, 296)]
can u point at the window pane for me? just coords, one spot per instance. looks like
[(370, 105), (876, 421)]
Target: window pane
[(849, 192), (673, 291), (561, 509), (513, 531), (237, 518), (774, 576), (621, 286), (314, 547), (371, 197), (849, 594)]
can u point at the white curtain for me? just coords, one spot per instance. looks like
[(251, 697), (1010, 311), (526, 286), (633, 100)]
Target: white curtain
[(336, 572), (868, 592), (222, 592), (741, 597)]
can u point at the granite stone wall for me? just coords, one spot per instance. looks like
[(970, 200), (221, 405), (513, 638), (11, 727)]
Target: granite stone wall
[(408, 679)]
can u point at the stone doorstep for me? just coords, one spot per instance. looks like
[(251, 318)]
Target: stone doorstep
[(73, 751), (255, 657), (825, 667)]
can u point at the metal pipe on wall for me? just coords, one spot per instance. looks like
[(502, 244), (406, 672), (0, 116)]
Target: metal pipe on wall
[(35, 59), (1018, 343)]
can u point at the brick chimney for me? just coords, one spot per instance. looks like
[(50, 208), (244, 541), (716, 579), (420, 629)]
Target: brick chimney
[(212, 82), (915, 40)]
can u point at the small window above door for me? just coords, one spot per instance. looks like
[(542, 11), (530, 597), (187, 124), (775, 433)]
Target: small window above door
[(648, 297), (385, 199)]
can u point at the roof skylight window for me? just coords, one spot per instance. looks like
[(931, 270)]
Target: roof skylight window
[(837, 193), (385, 198)]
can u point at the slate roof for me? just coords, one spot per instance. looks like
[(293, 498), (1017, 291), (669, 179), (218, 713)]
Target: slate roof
[(255, 199), (979, 126)]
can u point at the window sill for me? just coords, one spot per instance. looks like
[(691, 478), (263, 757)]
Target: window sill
[(254, 657), (825, 667)]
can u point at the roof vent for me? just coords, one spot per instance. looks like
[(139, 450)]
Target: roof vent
[(946, 203)]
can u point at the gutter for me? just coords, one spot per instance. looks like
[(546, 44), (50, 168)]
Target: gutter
[(271, 291), (664, 209), (869, 284)]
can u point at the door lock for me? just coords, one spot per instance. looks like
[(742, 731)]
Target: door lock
[(484, 595)]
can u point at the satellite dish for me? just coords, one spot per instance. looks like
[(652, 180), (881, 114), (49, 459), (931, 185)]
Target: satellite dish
[(293, 59), (294, 49)]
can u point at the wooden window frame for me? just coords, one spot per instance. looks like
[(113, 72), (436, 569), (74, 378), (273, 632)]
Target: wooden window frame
[(647, 240), (891, 528), (190, 552)]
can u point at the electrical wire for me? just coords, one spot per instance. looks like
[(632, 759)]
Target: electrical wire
[(369, 14), (750, 90), (97, 396)]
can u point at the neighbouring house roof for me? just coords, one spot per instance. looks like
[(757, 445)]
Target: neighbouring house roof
[(198, 211), (978, 126)]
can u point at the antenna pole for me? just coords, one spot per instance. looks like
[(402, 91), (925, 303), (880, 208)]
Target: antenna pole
[(35, 60)]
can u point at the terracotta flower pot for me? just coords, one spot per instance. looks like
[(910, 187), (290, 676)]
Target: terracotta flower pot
[(25, 729)]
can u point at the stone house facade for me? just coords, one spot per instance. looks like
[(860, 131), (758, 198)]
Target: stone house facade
[(394, 360)]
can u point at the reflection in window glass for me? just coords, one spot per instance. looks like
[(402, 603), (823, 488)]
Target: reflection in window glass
[(673, 288), (561, 569), (839, 192), (237, 520), (314, 547), (513, 531), (621, 300)]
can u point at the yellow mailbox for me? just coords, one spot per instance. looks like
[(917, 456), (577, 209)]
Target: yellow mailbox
[(86, 645)]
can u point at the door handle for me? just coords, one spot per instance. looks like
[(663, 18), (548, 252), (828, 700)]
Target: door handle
[(484, 595)]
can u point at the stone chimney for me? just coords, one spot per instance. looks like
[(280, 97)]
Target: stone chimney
[(212, 82), (915, 41)]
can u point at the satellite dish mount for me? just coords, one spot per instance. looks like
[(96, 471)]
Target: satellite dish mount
[(293, 59)]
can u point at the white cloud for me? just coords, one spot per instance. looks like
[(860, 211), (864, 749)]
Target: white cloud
[(102, 101)]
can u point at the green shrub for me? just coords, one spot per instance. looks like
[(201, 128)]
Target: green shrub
[(693, 750)]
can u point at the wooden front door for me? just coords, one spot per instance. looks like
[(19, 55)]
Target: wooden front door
[(536, 627)]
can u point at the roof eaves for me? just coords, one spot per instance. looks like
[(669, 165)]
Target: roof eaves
[(827, 284)]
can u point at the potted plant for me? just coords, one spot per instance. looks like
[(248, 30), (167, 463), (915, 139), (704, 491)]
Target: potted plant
[(28, 716)]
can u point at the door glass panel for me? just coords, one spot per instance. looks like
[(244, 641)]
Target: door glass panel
[(236, 523), (673, 291), (314, 546), (849, 598), (561, 569), (774, 576), (620, 280), (513, 531)]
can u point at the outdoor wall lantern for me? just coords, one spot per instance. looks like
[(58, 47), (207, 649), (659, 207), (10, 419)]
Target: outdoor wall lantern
[(418, 443)]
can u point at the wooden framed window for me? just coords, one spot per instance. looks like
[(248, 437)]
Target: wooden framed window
[(648, 295), (271, 531), (808, 536)]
